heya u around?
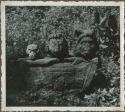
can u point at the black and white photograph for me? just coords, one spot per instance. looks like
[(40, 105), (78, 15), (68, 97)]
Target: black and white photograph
[(62, 56)]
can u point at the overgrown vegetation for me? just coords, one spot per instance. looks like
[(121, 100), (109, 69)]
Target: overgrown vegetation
[(25, 25)]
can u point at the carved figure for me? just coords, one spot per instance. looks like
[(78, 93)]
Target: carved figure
[(57, 46), (87, 45), (82, 67), (32, 51)]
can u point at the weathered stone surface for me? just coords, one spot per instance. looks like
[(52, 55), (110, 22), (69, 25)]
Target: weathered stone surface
[(59, 76)]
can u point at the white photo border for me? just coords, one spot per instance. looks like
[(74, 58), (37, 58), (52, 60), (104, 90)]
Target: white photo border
[(60, 3)]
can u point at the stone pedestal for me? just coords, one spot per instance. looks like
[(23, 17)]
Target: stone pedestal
[(59, 76)]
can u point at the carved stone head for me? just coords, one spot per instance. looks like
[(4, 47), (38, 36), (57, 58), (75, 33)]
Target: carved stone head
[(32, 51), (87, 45), (57, 46)]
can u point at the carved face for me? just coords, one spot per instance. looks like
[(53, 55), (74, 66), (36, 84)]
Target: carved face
[(87, 47), (58, 47), (32, 51), (55, 45)]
